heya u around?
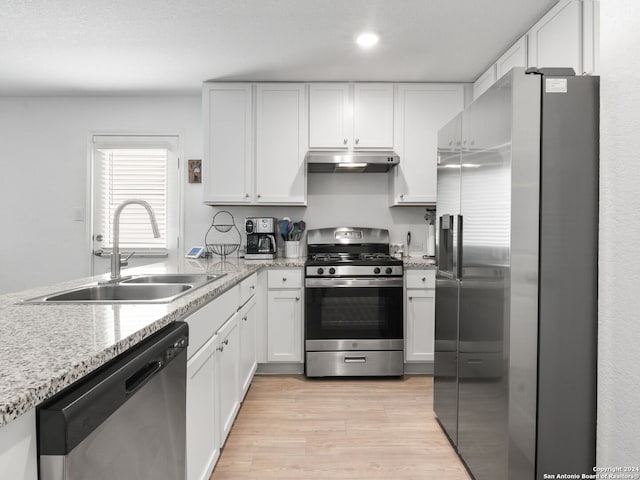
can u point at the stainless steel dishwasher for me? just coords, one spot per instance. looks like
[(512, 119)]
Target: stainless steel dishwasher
[(125, 421)]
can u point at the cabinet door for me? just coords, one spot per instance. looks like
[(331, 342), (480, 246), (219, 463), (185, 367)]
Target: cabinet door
[(330, 118), (516, 56), (422, 109), (591, 36), (18, 448), (555, 41), (228, 348), (373, 115), (284, 326), (420, 325), (484, 81), (248, 363), (202, 431), (281, 143), (227, 165)]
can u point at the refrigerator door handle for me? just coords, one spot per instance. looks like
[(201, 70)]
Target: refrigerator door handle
[(445, 266), (459, 241)]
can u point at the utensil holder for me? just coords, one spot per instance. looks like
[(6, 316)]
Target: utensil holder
[(292, 249)]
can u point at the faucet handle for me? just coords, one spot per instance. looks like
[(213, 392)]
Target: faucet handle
[(125, 261)]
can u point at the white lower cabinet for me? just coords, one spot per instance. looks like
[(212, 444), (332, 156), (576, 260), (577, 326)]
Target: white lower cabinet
[(203, 446), (284, 315), (228, 369), (420, 315), (420, 325), (18, 448), (284, 329), (248, 359)]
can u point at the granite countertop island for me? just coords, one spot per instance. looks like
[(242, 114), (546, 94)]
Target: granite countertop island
[(47, 347)]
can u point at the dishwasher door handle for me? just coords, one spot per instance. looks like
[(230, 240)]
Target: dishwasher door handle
[(138, 379)]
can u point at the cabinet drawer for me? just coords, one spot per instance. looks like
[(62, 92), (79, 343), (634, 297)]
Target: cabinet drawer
[(203, 323), (288, 278), (420, 278), (248, 288)]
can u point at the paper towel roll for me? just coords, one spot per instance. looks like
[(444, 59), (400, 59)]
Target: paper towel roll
[(431, 240)]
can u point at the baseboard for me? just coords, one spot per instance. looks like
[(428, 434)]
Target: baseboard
[(280, 368), (425, 368)]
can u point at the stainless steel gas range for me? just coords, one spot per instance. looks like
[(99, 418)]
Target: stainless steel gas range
[(353, 304)]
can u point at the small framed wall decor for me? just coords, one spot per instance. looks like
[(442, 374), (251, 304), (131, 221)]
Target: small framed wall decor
[(195, 171)]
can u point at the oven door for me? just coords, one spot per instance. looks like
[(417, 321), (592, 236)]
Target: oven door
[(354, 313)]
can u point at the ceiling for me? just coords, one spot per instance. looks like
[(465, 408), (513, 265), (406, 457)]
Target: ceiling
[(81, 47)]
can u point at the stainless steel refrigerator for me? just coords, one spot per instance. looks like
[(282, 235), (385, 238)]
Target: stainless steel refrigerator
[(516, 286)]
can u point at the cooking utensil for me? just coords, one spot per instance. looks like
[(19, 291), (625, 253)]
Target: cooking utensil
[(283, 226), (289, 229), (408, 243), (295, 232)]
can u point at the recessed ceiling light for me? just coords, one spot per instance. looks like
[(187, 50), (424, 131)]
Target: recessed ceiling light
[(367, 40)]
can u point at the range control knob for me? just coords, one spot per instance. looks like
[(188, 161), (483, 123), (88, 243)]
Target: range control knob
[(320, 271), (388, 271), (376, 270), (332, 271)]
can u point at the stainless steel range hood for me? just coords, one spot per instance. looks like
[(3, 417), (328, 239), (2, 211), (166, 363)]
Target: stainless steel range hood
[(351, 162)]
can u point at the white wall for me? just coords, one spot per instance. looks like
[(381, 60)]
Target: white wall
[(619, 295), (43, 178), (43, 175)]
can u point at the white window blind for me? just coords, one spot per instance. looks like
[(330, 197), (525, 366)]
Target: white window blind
[(126, 173)]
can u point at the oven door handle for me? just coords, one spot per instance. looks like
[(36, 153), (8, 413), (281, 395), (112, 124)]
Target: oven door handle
[(353, 282)]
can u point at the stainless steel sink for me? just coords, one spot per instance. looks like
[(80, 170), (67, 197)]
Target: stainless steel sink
[(190, 278), (152, 288), (117, 293)]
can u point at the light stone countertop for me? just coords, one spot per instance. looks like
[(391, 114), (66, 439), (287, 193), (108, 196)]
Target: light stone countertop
[(45, 348), (419, 262)]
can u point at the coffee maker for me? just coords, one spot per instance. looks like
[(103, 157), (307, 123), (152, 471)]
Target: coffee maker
[(261, 238)]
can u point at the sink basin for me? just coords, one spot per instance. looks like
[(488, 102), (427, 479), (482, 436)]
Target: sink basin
[(190, 278), (117, 293), (152, 288)]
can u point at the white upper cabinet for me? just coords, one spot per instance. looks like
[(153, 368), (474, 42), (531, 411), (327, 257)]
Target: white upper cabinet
[(227, 168), (351, 116), (484, 81), (256, 137), (281, 143), (516, 56), (330, 119), (555, 41), (373, 115), (421, 110), (590, 36)]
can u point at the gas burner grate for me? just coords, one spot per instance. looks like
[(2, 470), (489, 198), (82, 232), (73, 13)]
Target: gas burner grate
[(374, 256)]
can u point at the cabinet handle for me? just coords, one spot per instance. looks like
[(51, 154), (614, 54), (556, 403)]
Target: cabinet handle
[(344, 141), (284, 279), (259, 196), (252, 287), (220, 348), (410, 298), (246, 195), (357, 141), (226, 341), (297, 299), (244, 319), (424, 279), (401, 196)]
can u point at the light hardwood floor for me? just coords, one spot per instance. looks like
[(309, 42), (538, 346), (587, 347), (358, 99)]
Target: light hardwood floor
[(290, 427)]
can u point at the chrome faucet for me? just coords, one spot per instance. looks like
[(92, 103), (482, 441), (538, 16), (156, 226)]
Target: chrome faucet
[(116, 262)]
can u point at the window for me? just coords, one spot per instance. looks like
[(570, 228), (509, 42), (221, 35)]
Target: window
[(135, 168)]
